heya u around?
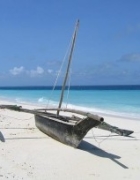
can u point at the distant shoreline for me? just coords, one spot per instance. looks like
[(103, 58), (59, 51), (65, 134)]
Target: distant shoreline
[(74, 87)]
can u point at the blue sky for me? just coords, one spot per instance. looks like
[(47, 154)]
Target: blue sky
[(35, 35)]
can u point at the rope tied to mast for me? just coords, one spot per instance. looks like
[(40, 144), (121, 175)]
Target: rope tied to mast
[(67, 71), (68, 66)]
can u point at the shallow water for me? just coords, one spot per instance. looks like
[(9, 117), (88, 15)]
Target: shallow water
[(114, 100)]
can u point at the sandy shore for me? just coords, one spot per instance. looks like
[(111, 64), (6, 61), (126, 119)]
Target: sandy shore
[(26, 153)]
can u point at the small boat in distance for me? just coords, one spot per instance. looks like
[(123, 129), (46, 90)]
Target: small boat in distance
[(71, 128)]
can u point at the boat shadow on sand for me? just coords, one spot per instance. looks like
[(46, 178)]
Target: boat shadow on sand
[(86, 146)]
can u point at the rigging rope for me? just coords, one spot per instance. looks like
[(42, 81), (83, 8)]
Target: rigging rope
[(99, 142), (58, 74), (69, 82)]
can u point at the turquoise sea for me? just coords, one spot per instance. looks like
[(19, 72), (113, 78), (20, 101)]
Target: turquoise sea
[(114, 100)]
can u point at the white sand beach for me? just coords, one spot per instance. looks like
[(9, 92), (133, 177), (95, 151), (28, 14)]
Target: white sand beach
[(28, 154)]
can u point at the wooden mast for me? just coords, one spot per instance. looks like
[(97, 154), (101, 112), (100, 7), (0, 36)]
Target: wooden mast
[(68, 66)]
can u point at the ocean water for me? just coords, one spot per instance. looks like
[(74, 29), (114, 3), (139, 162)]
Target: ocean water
[(112, 100)]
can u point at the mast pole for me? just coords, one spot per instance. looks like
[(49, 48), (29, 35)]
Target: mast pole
[(68, 66)]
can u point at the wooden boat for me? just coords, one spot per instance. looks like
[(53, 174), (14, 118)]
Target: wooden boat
[(71, 128)]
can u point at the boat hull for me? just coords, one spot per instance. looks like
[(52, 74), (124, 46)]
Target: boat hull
[(66, 133)]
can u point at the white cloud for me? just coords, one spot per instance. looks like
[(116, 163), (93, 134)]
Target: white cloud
[(131, 57), (38, 71), (50, 71), (34, 72), (129, 30), (15, 71)]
